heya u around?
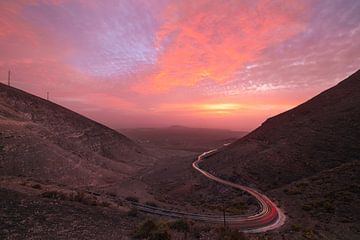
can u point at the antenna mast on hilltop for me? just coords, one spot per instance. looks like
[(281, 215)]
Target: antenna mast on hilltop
[(47, 96), (9, 77)]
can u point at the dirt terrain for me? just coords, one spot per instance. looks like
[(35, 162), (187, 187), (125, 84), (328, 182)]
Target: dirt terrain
[(25, 216), (44, 140), (308, 160), (174, 183), (319, 134), (78, 181), (325, 205), (60, 170)]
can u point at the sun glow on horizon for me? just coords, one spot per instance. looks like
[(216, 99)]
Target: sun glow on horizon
[(159, 63), (220, 108)]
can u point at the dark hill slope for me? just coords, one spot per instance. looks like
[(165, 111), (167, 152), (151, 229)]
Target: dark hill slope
[(319, 134), (41, 139)]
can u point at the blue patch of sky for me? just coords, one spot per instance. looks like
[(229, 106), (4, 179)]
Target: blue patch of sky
[(112, 39)]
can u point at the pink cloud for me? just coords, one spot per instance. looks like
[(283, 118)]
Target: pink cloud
[(206, 40), (196, 63)]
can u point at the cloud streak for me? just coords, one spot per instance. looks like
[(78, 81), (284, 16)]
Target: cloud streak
[(202, 40), (199, 63)]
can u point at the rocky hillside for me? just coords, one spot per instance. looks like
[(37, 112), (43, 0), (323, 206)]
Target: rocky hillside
[(41, 139), (307, 160), (320, 134)]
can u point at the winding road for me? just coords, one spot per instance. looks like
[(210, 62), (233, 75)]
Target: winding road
[(268, 218)]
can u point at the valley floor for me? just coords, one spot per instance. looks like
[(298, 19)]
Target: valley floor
[(32, 209)]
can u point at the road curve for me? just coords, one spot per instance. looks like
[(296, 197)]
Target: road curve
[(268, 218)]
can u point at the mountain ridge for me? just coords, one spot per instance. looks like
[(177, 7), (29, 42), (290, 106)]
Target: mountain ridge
[(38, 136), (319, 134)]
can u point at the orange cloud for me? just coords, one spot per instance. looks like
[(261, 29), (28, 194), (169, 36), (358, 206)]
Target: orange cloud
[(218, 109), (207, 40)]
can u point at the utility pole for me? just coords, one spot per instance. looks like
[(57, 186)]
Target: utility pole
[(224, 197), (9, 77), (224, 208), (47, 96)]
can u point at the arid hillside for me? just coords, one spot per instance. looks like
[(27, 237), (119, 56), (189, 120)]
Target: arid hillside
[(307, 160), (43, 140), (319, 134)]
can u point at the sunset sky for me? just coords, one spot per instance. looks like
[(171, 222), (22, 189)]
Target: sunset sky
[(201, 63)]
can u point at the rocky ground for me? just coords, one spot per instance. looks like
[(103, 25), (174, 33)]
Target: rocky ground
[(35, 208), (78, 183), (25, 216), (41, 139)]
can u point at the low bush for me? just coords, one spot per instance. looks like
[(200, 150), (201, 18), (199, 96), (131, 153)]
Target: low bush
[(151, 204), (307, 207), (309, 234), (196, 231), (354, 188), (236, 209), (226, 233), (104, 204), (133, 212), (161, 234), (180, 226), (295, 227), (54, 195), (327, 206), (293, 191), (36, 186), (302, 184), (132, 199), (111, 194), (80, 197), (152, 230), (320, 205), (145, 229), (77, 196)]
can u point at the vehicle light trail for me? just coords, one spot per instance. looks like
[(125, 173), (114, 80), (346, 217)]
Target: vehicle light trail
[(268, 218)]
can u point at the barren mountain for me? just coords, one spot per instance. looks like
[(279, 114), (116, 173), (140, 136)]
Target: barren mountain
[(180, 137), (307, 159), (43, 140), (317, 135)]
